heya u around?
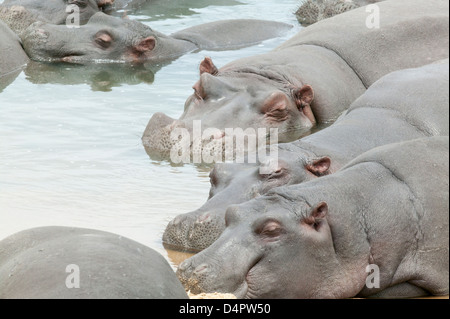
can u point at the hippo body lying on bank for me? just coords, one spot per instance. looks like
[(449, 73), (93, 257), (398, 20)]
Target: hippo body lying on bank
[(391, 110), (387, 208), (110, 39), (310, 79), (12, 56), (33, 264)]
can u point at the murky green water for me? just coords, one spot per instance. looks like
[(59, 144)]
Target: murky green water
[(70, 137)]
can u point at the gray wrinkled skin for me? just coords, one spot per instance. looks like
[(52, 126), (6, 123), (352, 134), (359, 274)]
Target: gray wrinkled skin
[(54, 11), (12, 56), (392, 110), (265, 91), (388, 207), (114, 40), (312, 11), (33, 266)]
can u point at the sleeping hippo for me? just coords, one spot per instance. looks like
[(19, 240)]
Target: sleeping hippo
[(391, 110), (312, 11), (114, 40), (55, 11), (310, 79), (377, 228), (12, 56), (75, 263)]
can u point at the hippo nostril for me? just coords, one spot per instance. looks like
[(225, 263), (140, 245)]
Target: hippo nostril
[(42, 33), (204, 218), (184, 266), (203, 268)]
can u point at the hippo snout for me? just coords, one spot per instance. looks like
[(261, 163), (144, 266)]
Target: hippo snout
[(193, 232), (192, 276)]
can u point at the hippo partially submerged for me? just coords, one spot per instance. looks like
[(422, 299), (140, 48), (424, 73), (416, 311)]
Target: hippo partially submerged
[(114, 40), (74, 263), (310, 79), (12, 56), (312, 11), (377, 228), (390, 111)]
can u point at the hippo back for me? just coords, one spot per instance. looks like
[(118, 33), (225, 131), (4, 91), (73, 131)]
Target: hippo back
[(423, 166), (426, 87), (37, 263), (419, 29)]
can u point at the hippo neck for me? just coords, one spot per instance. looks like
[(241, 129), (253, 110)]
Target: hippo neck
[(335, 83), (358, 221), (169, 48)]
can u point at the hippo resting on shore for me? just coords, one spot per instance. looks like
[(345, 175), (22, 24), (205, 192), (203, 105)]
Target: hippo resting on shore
[(44, 262), (386, 211), (310, 79), (12, 56), (110, 39), (391, 110)]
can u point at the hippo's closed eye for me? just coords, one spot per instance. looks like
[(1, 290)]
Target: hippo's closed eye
[(103, 39), (276, 107), (270, 230)]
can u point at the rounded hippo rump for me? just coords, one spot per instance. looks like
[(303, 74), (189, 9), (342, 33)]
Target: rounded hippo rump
[(45, 262), (386, 211), (12, 56), (391, 110), (310, 79), (111, 39)]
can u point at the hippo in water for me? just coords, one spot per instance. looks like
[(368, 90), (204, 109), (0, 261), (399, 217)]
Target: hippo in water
[(312, 11), (56, 11), (41, 262), (377, 228), (390, 111), (110, 39), (310, 79), (12, 56)]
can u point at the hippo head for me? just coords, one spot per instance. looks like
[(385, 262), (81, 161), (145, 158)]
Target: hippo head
[(233, 184), (273, 247), (235, 99), (103, 39)]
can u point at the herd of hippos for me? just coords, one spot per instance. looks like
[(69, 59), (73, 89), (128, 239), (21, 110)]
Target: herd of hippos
[(370, 189)]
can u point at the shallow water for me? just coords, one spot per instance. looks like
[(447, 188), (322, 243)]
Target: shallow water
[(70, 137)]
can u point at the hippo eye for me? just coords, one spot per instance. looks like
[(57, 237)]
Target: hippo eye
[(199, 93), (270, 230), (103, 40), (277, 174)]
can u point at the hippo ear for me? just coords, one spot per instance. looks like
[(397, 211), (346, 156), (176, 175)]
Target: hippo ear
[(207, 66), (304, 96), (320, 167), (146, 45), (316, 216)]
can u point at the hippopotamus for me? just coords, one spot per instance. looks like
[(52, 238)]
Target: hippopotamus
[(310, 79), (12, 56), (312, 11), (56, 11), (390, 111), (377, 228), (111, 39), (76, 263)]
